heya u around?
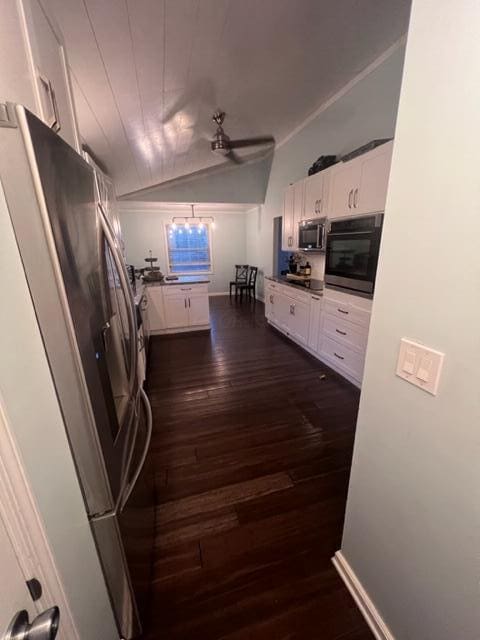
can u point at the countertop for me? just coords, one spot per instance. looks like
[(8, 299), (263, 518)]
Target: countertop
[(315, 286), (180, 280)]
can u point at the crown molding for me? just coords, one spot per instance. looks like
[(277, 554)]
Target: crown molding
[(398, 44), (182, 208)]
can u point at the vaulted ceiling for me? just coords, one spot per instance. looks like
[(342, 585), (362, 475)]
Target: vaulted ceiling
[(148, 74)]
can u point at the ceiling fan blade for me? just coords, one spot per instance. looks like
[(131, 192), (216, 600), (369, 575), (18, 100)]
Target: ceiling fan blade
[(251, 142), (233, 157)]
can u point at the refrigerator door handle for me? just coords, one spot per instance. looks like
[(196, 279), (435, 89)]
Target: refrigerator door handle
[(122, 272), (131, 485)]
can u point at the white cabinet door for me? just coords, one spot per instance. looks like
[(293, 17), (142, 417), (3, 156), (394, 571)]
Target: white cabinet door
[(269, 302), (345, 179), (315, 320), (156, 312), (375, 172), (50, 73), (176, 311), (298, 203), (287, 222), (299, 320), (314, 205), (281, 310), (198, 309)]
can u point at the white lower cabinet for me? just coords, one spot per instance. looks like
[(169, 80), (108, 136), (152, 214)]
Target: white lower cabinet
[(333, 327), (176, 311), (178, 308)]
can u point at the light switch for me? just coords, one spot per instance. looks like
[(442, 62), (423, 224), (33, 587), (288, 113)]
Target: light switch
[(420, 365), (410, 361)]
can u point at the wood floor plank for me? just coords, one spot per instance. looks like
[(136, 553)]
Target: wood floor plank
[(251, 451), (222, 497)]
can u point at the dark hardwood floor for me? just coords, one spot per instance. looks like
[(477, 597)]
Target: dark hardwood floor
[(251, 450)]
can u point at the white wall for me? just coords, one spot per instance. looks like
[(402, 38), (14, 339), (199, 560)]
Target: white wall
[(144, 229), (412, 531), (365, 112)]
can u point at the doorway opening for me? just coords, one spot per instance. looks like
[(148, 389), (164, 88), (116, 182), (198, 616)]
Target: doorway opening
[(280, 257)]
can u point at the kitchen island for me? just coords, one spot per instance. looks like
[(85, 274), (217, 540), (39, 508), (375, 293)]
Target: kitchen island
[(176, 306)]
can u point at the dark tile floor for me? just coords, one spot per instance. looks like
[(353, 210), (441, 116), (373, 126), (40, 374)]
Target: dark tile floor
[(251, 451)]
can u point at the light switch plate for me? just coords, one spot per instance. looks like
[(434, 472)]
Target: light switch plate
[(420, 365)]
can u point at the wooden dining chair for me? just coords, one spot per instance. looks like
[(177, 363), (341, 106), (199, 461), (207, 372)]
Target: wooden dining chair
[(249, 286), (241, 278)]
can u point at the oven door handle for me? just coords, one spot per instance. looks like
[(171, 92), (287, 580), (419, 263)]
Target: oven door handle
[(340, 234)]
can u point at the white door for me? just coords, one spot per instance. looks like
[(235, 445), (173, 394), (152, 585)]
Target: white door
[(298, 201), (281, 310), (345, 179), (287, 222), (176, 311), (299, 321), (198, 309), (156, 313), (374, 181), (313, 199), (14, 594), (51, 73)]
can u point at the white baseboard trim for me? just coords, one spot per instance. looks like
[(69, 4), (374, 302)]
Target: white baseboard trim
[(362, 599), (217, 293)]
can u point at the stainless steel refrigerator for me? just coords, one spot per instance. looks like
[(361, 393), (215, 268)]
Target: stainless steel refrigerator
[(84, 305)]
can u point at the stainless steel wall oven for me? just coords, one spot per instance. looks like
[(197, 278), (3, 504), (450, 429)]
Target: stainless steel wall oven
[(353, 246)]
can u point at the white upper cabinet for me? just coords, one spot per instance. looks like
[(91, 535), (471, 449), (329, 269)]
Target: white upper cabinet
[(345, 179), (360, 186), (374, 180), (315, 198), (41, 81), (287, 222), (298, 204), (293, 206)]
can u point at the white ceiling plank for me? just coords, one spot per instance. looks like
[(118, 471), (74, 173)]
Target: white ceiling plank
[(163, 66)]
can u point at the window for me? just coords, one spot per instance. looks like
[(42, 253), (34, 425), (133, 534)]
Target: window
[(188, 248)]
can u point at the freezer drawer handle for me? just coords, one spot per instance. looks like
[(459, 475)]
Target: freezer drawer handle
[(130, 486), (43, 627)]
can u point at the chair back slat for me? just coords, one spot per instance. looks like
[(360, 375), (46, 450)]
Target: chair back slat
[(252, 276), (241, 272)]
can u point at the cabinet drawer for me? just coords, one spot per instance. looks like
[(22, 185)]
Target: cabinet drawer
[(342, 357), (347, 311), (345, 332), (184, 289)]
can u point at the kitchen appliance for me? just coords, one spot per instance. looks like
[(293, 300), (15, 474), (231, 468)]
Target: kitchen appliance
[(351, 259), (83, 302), (311, 234)]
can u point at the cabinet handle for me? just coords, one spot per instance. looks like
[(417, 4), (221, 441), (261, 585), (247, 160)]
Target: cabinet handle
[(320, 205), (337, 356), (350, 198), (355, 198), (343, 311), (189, 303), (271, 299), (314, 298), (185, 302), (185, 288), (342, 333)]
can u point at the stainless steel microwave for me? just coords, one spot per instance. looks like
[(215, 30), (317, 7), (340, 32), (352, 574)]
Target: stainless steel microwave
[(312, 234)]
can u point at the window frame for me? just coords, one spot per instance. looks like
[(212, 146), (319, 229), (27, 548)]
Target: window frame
[(189, 273)]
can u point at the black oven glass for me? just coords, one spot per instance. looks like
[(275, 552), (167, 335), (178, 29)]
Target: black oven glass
[(308, 236), (350, 255)]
